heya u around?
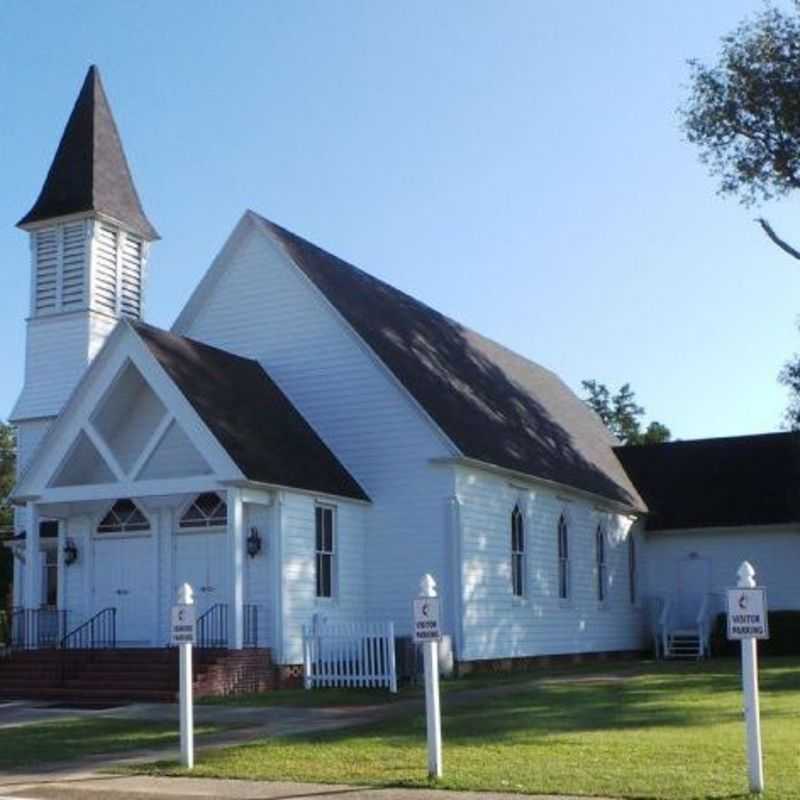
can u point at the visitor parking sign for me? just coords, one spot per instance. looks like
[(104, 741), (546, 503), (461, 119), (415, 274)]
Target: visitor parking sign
[(747, 614), (426, 620)]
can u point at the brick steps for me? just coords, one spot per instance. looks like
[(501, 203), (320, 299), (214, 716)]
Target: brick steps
[(129, 674)]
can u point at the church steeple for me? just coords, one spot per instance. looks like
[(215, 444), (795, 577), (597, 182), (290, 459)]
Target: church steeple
[(90, 172), (89, 241)]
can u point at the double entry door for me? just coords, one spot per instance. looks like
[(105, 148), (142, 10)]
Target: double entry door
[(201, 560), (124, 579)]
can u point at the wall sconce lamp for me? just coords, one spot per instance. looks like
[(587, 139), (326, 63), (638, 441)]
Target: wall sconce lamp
[(253, 543), (70, 552), (19, 552)]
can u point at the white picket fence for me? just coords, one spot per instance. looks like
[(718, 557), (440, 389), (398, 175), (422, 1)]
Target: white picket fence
[(359, 654)]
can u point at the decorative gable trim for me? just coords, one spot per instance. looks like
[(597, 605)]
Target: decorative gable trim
[(122, 348)]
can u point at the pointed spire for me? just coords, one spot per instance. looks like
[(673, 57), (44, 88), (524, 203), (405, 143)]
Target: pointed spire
[(90, 171)]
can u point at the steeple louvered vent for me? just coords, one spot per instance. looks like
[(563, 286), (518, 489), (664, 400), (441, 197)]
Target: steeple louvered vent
[(73, 266), (105, 277), (59, 268), (132, 261), (46, 249)]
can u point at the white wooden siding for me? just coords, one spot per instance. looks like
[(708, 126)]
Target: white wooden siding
[(56, 354), (175, 456), (773, 552), (498, 625), (29, 434), (261, 306), (299, 602), (259, 585)]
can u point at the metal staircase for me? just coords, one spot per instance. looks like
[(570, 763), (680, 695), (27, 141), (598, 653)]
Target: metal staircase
[(675, 640)]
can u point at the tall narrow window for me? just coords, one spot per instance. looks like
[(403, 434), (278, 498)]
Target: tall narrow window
[(632, 568), (600, 556), (517, 553), (563, 558), (325, 550)]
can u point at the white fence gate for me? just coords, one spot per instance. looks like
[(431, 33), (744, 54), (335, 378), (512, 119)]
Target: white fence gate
[(359, 654)]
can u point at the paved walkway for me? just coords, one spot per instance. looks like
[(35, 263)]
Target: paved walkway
[(142, 788)]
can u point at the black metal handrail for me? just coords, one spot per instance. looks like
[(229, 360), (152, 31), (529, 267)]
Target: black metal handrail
[(97, 632), (212, 627), (32, 628), (250, 626)]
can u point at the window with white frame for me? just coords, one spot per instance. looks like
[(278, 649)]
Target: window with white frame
[(632, 568), (208, 510), (123, 517), (563, 558), (517, 553), (600, 558), (325, 550)]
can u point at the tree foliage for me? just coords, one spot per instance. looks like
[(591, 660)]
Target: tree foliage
[(790, 378), (622, 415), (8, 460), (743, 112)]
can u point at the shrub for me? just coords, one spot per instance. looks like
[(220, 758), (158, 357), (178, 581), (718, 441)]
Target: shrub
[(784, 635)]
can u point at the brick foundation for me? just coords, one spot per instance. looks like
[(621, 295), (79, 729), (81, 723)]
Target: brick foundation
[(532, 663)]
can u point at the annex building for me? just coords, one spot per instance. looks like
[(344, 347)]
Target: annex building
[(307, 441)]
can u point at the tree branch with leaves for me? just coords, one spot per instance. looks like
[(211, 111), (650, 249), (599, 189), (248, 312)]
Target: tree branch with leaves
[(743, 113), (621, 414)]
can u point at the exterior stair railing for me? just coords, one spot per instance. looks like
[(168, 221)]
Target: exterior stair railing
[(99, 631), (34, 628), (212, 627)]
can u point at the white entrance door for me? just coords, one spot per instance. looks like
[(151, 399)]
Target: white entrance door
[(123, 579), (694, 583), (201, 561)]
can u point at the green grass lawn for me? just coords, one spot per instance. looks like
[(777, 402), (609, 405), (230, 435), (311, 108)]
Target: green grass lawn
[(67, 739), (670, 731)]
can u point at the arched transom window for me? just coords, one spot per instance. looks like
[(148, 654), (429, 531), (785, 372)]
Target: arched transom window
[(123, 517), (563, 558), (207, 511)]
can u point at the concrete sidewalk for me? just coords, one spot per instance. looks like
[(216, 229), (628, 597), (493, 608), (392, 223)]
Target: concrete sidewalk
[(144, 788)]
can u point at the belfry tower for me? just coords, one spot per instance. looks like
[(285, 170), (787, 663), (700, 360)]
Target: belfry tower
[(89, 242)]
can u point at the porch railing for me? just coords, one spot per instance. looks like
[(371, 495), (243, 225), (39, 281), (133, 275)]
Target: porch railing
[(36, 628), (212, 627), (360, 654), (250, 626), (99, 631)]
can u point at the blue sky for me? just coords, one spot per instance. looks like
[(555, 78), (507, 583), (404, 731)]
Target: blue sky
[(516, 165)]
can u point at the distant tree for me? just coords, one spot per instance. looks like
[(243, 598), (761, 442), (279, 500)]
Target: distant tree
[(8, 460), (622, 415), (743, 113), (789, 377)]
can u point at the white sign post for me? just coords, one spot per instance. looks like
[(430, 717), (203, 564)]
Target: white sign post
[(183, 635), (428, 632), (747, 621)]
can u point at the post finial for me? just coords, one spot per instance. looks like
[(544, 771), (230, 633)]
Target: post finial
[(186, 595), (427, 586), (746, 575)]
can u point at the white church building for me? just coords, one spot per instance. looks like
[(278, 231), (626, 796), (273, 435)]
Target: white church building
[(307, 441)]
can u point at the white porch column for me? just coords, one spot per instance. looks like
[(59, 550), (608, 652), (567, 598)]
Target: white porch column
[(33, 558), (236, 540)]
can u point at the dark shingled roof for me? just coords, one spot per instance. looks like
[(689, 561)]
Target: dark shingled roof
[(249, 415), (90, 171), (735, 481), (494, 405)]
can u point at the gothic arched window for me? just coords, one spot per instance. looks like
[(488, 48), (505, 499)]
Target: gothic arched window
[(517, 553), (563, 558)]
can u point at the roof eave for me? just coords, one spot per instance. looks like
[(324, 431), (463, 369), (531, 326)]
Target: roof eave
[(599, 499)]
